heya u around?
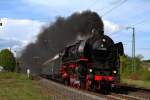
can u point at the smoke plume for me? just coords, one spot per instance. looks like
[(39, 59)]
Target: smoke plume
[(54, 38)]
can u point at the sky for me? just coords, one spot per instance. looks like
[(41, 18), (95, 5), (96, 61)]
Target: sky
[(24, 19)]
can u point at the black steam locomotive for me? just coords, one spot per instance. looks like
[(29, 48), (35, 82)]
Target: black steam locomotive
[(92, 63)]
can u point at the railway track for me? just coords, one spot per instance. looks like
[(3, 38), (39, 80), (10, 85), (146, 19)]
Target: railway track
[(79, 94)]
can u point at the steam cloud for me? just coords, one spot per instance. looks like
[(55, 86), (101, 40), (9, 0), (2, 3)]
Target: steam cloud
[(54, 38)]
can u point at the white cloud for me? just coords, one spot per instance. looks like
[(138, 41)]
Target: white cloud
[(19, 32), (110, 28), (52, 3), (25, 30), (20, 28), (10, 43), (63, 7)]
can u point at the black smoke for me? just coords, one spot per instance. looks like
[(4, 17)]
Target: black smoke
[(54, 38)]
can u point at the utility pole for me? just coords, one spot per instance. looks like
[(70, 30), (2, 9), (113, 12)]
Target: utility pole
[(133, 48), (1, 23), (16, 61)]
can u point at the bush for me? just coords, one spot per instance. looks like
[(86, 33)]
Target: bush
[(140, 72), (7, 60)]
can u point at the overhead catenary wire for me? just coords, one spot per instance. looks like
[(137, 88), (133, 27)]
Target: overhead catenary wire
[(110, 10), (92, 4), (141, 22), (118, 3), (146, 48), (107, 6), (134, 25)]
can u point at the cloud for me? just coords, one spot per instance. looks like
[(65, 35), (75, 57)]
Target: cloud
[(19, 28), (16, 33), (23, 31), (48, 2), (110, 27), (63, 7), (8, 42)]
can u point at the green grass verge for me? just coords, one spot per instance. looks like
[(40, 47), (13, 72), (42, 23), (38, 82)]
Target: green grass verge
[(14, 86), (137, 83)]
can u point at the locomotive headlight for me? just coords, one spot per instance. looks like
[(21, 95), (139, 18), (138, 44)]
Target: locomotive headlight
[(90, 70), (114, 71), (104, 40)]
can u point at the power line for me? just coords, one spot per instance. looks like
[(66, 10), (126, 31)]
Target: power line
[(146, 48), (117, 3), (107, 6), (141, 22), (1, 23), (92, 3), (133, 25), (110, 10)]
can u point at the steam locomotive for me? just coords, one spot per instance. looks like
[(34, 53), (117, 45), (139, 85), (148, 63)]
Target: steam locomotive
[(91, 64)]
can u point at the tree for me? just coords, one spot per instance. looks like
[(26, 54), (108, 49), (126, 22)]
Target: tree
[(140, 57), (126, 64), (7, 60), (127, 69)]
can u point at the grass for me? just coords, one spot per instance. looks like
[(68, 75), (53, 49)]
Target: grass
[(139, 78), (14, 86), (137, 83)]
